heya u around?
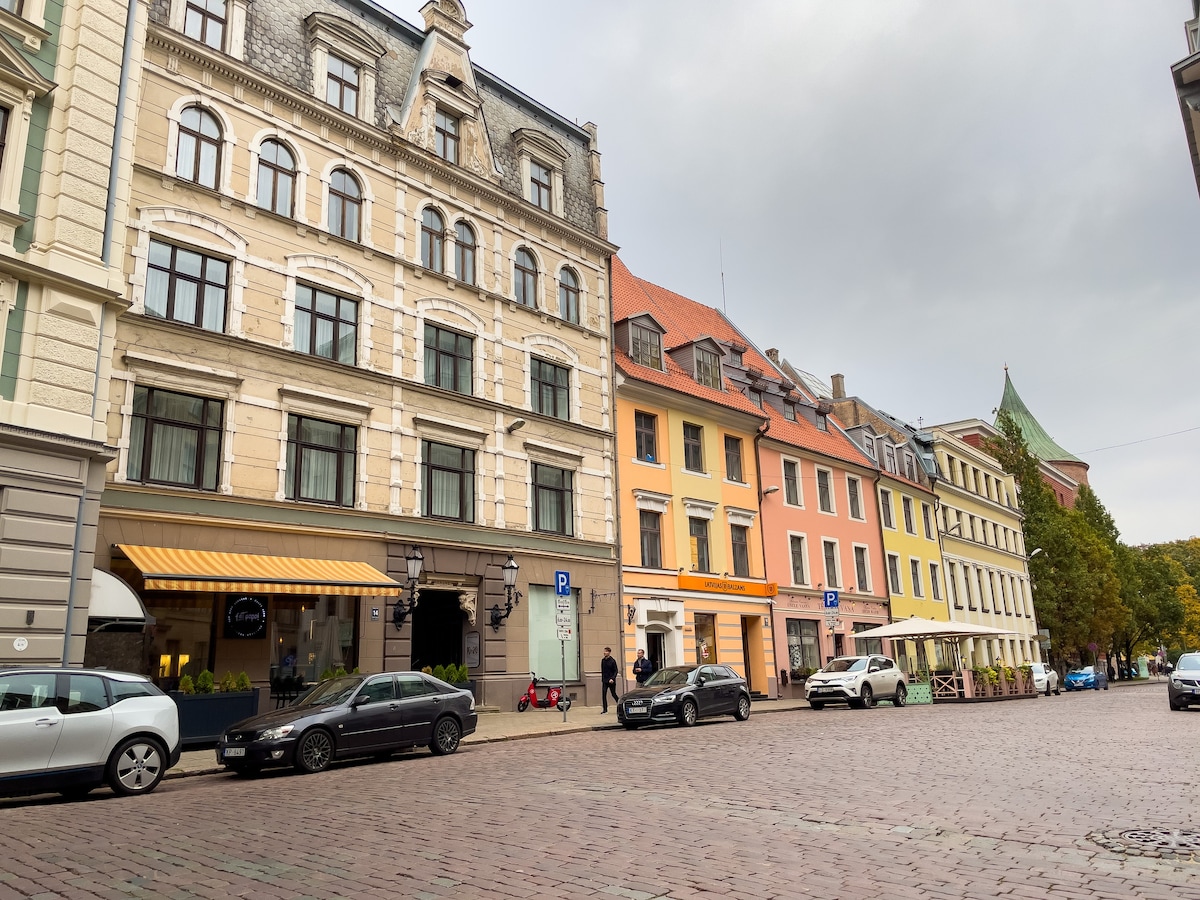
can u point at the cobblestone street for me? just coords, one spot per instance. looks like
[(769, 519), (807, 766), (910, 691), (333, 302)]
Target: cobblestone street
[(972, 801)]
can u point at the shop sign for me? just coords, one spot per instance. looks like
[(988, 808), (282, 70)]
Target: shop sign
[(717, 584), (472, 650), (246, 617)]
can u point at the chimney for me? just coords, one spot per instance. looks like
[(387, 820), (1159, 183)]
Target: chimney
[(839, 386), (773, 355)]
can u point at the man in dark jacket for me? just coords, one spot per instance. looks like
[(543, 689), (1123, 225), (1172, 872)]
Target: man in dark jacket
[(642, 667), (608, 675)]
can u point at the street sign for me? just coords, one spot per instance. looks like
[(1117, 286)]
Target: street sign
[(831, 599), (562, 584), (562, 619), (563, 603), (564, 633)]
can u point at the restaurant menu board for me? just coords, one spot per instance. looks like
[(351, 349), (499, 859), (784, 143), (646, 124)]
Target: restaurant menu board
[(245, 617)]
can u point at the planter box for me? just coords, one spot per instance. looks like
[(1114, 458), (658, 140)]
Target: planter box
[(468, 686), (203, 717)]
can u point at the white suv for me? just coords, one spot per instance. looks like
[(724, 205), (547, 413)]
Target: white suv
[(857, 680), (1045, 679), (71, 730)]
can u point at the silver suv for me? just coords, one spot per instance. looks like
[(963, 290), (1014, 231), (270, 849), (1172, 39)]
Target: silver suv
[(72, 730), (857, 680), (1183, 684)]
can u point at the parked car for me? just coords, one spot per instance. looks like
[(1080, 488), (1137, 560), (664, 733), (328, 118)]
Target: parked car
[(1045, 679), (73, 730), (684, 694), (1183, 684), (859, 681), (1086, 678), (351, 716)]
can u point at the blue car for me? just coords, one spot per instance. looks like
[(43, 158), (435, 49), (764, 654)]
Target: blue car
[(1086, 678)]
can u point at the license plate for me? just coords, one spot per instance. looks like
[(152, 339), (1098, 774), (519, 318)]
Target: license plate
[(235, 751), (637, 711)]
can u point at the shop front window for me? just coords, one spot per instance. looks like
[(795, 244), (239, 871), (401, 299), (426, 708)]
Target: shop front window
[(706, 639), (804, 651), (864, 646), (545, 648)]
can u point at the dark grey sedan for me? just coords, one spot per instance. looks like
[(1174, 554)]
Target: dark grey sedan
[(684, 694), (352, 716)]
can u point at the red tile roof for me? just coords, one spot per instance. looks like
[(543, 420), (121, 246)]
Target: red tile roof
[(686, 321)]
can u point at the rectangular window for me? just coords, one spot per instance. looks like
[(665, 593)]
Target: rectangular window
[(651, 528), (935, 583), (740, 539), (867, 646), (320, 461), (448, 482), (862, 569), (551, 388), (804, 649), (449, 358), (186, 286), (733, 459), (708, 369), (854, 489), (983, 597), (914, 571), (910, 467), (791, 482), (909, 525), (693, 448), (645, 427), (645, 346), (698, 536), (952, 584), (341, 85), (970, 592), (552, 500), (539, 185), (756, 397), (894, 584), (546, 652), (5, 112), (799, 564), (706, 638), (789, 411), (825, 490), (326, 325), (889, 457), (885, 509), (927, 520), (203, 20), (446, 137), (831, 564), (175, 439)]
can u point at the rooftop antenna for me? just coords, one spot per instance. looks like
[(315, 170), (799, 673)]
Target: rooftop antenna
[(721, 257)]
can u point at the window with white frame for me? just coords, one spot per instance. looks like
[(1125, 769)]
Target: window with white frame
[(791, 482), (321, 461), (447, 128), (927, 520), (833, 575), (175, 439), (326, 324), (935, 584), (825, 490), (447, 482), (433, 235), (645, 346), (198, 153), (464, 253), (341, 84), (449, 359), (550, 386), (799, 559), (739, 536), (885, 509), (552, 499), (693, 447), (862, 569), (733, 459), (568, 296), (952, 584), (525, 277), (276, 178), (914, 571), (893, 567), (854, 493), (698, 539), (645, 427), (204, 21), (910, 467), (889, 458), (541, 187), (345, 205), (183, 285), (708, 368), (906, 504), (650, 527)]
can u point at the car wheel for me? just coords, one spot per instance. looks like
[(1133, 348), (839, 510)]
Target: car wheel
[(522, 704), (867, 697), (446, 735), (687, 713), (137, 766), (315, 752), (816, 704), (630, 726), (742, 713), (901, 695)]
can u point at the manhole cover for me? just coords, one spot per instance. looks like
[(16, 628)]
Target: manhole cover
[(1168, 843)]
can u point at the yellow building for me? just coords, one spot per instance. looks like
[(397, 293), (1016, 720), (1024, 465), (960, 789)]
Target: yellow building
[(694, 586)]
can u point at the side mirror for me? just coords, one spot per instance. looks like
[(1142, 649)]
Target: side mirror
[(700, 681)]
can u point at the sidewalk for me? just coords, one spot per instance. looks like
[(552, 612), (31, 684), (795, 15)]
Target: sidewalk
[(500, 726)]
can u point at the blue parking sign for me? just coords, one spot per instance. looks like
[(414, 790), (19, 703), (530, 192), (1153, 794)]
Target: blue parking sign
[(831, 599), (562, 584)]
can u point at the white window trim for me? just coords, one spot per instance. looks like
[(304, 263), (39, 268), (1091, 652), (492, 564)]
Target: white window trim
[(699, 509), (862, 506), (549, 153), (862, 588), (907, 502), (362, 51), (553, 458), (156, 222), (804, 551), (583, 293), (447, 241), (896, 590), (539, 294), (928, 521), (436, 311), (918, 586), (883, 520), (300, 194), (832, 511), (311, 269), (837, 562), (329, 408), (799, 504), (235, 24), (737, 516), (651, 501), (20, 86), (452, 249), (228, 141), (553, 350), (29, 26), (936, 594), (368, 201)]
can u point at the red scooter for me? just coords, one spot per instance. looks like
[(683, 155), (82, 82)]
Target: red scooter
[(554, 698)]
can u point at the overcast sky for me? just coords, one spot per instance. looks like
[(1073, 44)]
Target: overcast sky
[(913, 194)]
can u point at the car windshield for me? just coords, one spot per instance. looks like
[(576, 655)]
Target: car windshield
[(1086, 670), (847, 664), (675, 675), (1188, 664), (330, 693)]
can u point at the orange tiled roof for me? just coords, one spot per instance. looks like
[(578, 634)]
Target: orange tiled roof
[(685, 321)]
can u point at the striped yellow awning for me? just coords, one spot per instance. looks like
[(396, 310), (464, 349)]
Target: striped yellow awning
[(172, 569)]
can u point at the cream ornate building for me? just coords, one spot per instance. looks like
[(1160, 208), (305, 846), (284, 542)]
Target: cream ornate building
[(369, 313), (64, 169)]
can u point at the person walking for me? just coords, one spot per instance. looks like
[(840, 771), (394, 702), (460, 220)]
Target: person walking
[(608, 675), (642, 667)]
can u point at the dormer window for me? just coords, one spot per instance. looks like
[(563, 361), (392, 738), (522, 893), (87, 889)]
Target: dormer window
[(756, 397), (344, 63), (789, 411), (868, 444), (735, 358), (541, 188), (341, 85), (541, 159), (822, 422), (447, 129), (204, 21), (708, 368), (645, 347)]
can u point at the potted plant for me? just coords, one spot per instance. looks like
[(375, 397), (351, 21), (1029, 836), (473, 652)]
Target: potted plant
[(204, 712)]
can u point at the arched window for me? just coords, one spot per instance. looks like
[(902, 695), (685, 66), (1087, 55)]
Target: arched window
[(525, 278), (276, 178), (568, 296), (433, 231), (464, 253), (199, 156), (345, 205)]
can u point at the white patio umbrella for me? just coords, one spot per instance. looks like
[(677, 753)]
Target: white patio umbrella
[(916, 628)]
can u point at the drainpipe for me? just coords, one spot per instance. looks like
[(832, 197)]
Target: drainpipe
[(762, 531), (105, 260)]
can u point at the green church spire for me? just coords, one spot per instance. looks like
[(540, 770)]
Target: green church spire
[(1040, 443)]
